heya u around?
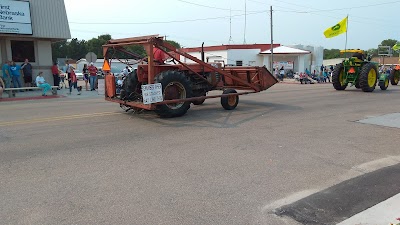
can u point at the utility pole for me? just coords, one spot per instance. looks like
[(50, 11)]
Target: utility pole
[(245, 21), (230, 26), (272, 44)]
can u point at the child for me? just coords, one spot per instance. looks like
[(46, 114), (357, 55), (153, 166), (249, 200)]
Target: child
[(73, 82), (119, 84)]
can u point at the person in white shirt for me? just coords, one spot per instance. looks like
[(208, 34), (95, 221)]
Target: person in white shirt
[(40, 82), (125, 71)]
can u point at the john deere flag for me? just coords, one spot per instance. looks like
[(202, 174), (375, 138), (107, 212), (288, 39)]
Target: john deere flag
[(339, 28), (396, 46)]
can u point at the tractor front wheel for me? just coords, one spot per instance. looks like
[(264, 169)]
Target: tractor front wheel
[(394, 77), (338, 77), (368, 77), (384, 84), (174, 86), (130, 87), (230, 102)]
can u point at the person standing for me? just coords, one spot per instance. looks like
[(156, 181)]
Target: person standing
[(281, 73), (6, 74), (68, 71), (27, 73), (56, 75), (40, 82), (93, 76), (16, 75), (85, 72)]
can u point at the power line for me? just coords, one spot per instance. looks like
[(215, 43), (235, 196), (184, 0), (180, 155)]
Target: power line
[(210, 7), (174, 21), (329, 10)]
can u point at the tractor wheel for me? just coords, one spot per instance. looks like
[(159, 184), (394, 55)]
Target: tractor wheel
[(229, 102), (338, 78), (357, 85), (130, 87), (174, 86), (394, 77), (384, 84), (368, 77), (199, 102)]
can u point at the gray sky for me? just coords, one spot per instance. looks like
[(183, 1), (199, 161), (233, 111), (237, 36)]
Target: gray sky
[(295, 22)]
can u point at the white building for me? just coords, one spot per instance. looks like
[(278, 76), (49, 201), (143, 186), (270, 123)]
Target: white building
[(296, 59), (231, 55), (27, 29)]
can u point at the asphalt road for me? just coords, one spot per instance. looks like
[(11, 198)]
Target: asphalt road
[(85, 161)]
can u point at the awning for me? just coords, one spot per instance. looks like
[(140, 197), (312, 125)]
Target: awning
[(286, 50)]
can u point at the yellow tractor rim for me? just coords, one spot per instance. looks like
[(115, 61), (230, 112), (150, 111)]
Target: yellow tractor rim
[(386, 82), (372, 78), (396, 80)]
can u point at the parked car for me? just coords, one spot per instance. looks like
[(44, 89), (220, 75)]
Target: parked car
[(79, 75)]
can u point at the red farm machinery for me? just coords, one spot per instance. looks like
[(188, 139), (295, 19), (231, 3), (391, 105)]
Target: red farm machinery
[(169, 89)]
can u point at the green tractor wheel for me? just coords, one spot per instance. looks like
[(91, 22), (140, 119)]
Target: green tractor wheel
[(338, 77), (368, 77), (394, 77), (384, 84)]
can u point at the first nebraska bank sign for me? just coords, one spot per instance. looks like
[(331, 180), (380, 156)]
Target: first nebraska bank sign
[(15, 17)]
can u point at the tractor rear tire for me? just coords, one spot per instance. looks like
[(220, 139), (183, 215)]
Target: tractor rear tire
[(130, 87), (384, 84), (394, 77), (338, 77), (230, 102), (368, 77), (174, 86)]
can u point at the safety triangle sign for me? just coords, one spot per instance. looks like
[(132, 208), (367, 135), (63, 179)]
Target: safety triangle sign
[(106, 66)]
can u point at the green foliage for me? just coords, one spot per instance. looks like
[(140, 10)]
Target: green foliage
[(174, 43), (77, 49), (331, 53)]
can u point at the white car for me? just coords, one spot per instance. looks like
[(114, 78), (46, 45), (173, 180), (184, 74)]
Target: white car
[(79, 75)]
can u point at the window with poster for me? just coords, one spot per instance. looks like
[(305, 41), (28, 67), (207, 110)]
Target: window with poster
[(22, 50)]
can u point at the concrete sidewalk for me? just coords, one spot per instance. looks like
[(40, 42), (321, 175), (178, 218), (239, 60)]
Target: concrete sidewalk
[(383, 213)]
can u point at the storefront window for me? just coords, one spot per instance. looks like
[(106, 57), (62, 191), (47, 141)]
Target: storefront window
[(22, 50)]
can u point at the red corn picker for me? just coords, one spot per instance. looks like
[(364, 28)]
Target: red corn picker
[(169, 89)]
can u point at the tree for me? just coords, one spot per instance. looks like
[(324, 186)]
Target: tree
[(95, 44), (331, 53), (59, 49), (77, 49), (174, 43)]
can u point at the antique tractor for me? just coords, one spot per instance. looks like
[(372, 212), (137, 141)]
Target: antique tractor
[(170, 88), (358, 71)]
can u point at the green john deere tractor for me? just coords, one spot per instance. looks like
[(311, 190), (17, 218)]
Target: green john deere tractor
[(358, 71)]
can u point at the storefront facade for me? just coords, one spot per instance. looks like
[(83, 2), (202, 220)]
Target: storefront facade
[(27, 30)]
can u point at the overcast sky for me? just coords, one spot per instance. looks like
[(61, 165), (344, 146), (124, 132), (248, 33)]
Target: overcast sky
[(190, 22)]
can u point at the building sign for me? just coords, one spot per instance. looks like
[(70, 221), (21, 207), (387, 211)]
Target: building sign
[(15, 17), (152, 93), (287, 65)]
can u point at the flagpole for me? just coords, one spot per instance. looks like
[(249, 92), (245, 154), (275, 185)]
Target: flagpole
[(347, 28)]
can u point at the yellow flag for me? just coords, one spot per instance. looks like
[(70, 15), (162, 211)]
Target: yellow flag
[(339, 28)]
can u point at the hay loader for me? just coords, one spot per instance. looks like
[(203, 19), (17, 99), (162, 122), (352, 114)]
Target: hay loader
[(170, 88)]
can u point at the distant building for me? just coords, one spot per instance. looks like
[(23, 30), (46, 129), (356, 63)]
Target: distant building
[(295, 59), (27, 30), (116, 65)]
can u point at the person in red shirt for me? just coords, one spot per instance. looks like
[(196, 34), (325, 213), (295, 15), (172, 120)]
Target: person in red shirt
[(93, 76), (159, 56), (56, 75), (74, 82)]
